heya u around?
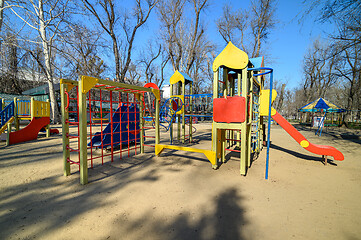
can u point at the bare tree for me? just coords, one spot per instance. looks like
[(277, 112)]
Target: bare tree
[(280, 87), (200, 69), (46, 18), (148, 57), (263, 22), (108, 20), (170, 14), (80, 50), (349, 69), (318, 69), (345, 44), (233, 25), (184, 40), (10, 67), (197, 35), (181, 44), (249, 29), (134, 75), (165, 59), (2, 3)]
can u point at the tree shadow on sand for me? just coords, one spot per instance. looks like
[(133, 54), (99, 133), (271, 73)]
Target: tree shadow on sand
[(227, 221), (44, 205)]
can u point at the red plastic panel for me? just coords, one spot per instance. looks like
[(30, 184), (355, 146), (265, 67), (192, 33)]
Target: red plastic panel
[(229, 110)]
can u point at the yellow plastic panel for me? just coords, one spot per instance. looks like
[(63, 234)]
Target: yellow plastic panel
[(176, 77), (88, 83), (41, 109), (69, 85), (156, 93), (231, 57), (264, 102)]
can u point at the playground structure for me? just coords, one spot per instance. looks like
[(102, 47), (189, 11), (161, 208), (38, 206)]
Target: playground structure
[(102, 141), (184, 109), (240, 104), (232, 88), (179, 82), (37, 112)]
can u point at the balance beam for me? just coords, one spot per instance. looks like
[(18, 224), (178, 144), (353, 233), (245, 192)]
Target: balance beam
[(211, 155)]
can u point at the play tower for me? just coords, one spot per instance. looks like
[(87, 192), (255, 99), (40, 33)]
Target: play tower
[(237, 123)]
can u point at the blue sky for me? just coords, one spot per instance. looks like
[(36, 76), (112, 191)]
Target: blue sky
[(286, 46)]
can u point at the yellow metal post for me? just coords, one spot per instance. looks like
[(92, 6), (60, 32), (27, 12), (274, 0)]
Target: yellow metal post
[(65, 130), (190, 110), (8, 134), (250, 118), (215, 95), (32, 108), (216, 133), (179, 87), (83, 134), (16, 114), (225, 94), (48, 126), (244, 128), (223, 143), (157, 132), (239, 90), (141, 100), (231, 93), (183, 114), (171, 123)]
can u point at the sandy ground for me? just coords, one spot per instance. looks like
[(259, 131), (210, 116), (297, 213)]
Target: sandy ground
[(179, 195)]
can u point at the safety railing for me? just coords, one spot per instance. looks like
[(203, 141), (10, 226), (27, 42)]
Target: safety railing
[(7, 113)]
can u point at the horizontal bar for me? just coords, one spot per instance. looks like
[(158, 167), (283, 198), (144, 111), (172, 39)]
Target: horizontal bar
[(75, 83), (230, 139), (124, 85), (232, 150), (148, 145)]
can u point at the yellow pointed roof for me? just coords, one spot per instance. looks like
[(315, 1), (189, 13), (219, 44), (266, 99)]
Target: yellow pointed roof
[(179, 76), (231, 57)]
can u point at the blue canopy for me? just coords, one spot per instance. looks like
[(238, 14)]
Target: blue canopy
[(319, 105)]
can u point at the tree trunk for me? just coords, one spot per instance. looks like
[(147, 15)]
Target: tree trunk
[(48, 71), (1, 13), (116, 58)]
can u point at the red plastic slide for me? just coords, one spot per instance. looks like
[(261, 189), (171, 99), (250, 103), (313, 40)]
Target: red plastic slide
[(30, 132), (313, 148)]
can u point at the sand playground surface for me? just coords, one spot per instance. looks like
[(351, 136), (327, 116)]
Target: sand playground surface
[(180, 196)]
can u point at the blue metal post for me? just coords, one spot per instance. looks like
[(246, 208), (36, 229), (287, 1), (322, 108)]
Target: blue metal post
[(269, 125), (269, 70)]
